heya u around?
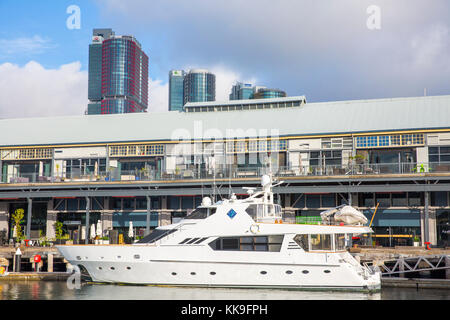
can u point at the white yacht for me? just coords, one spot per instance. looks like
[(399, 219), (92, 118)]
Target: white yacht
[(241, 243)]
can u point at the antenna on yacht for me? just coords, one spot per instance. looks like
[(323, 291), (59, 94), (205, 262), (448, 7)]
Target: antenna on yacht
[(229, 182), (214, 185)]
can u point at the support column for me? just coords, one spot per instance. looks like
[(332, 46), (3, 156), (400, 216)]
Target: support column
[(164, 217), (86, 241), (4, 225), (107, 221), (432, 235), (51, 219), (147, 225), (350, 196), (287, 200), (50, 262), (30, 207), (426, 228)]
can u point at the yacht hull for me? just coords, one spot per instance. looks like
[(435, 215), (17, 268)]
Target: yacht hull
[(147, 265)]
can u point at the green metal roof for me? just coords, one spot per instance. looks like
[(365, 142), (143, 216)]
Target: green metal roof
[(323, 118)]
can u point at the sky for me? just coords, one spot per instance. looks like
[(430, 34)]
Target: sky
[(327, 50)]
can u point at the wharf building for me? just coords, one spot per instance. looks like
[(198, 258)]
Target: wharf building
[(118, 74), (153, 169)]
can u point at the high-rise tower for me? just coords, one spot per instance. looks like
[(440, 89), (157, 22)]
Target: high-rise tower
[(176, 90), (241, 91), (199, 86), (118, 74)]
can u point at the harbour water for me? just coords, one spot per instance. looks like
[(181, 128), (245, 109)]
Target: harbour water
[(58, 290)]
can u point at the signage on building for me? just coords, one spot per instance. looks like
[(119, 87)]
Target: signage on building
[(177, 73), (97, 39), (71, 223)]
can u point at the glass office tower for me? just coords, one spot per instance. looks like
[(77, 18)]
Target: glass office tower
[(176, 90), (124, 76), (118, 74), (269, 93), (241, 91), (199, 86)]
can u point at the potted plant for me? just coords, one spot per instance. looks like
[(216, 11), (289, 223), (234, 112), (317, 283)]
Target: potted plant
[(17, 217), (355, 163), (143, 173), (416, 241), (58, 231), (105, 240)]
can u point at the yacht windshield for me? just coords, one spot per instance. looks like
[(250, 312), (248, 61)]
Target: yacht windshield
[(263, 210), (201, 213), (156, 234)]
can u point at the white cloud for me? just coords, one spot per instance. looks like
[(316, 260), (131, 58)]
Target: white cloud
[(158, 96), (319, 48), (24, 45), (34, 91), (225, 78), (430, 47)]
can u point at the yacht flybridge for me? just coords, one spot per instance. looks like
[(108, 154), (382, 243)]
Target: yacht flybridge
[(235, 243)]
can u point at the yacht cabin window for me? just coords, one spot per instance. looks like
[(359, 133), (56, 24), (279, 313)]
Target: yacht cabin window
[(263, 210), (339, 241), (270, 243), (302, 241), (321, 242)]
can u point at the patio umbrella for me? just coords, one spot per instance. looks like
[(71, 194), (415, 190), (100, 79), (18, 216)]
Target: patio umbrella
[(15, 232), (93, 231), (99, 228), (130, 230)]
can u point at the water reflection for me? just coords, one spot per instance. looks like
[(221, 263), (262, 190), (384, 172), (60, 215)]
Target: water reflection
[(58, 290)]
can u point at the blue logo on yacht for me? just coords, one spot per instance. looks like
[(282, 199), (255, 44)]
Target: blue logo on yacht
[(231, 213)]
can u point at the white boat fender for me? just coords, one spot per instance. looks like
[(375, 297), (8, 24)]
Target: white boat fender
[(254, 228)]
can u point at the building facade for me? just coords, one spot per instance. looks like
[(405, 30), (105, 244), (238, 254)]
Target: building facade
[(265, 93), (118, 74), (199, 85), (394, 169), (243, 91), (176, 90)]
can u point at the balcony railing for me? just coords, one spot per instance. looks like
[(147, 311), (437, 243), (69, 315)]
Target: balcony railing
[(233, 172)]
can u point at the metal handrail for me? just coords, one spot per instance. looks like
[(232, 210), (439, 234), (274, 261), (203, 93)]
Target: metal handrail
[(231, 172)]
